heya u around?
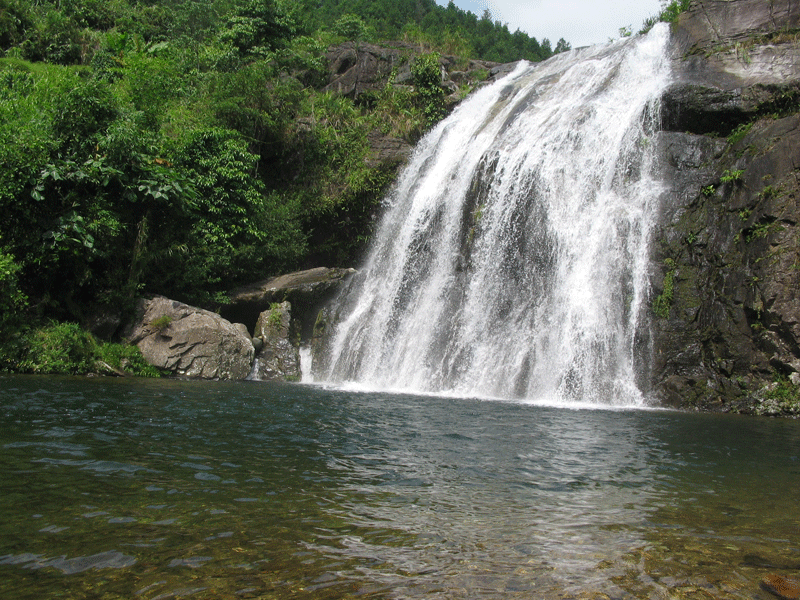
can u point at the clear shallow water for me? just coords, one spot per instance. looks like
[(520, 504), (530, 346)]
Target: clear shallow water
[(166, 489)]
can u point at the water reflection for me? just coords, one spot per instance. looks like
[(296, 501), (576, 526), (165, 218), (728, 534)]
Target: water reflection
[(167, 489)]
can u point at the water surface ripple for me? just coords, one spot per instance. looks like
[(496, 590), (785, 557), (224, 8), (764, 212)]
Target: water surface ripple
[(168, 489)]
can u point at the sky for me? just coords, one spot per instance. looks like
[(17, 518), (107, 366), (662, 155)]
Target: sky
[(580, 22)]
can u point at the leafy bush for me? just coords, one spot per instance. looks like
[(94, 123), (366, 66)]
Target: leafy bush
[(66, 349), (731, 176), (12, 300), (128, 359), (234, 230), (427, 74), (351, 27), (670, 10), (81, 115), (60, 348)]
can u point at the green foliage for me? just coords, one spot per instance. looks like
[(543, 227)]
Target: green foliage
[(126, 358), (64, 348), (427, 74), (670, 11), (161, 323), (149, 84), (449, 30), (731, 176), (236, 231), (275, 319), (402, 116), (562, 45), (770, 192), (780, 398), (256, 27), (663, 302), (351, 27), (59, 348), (81, 115), (785, 100), (12, 299), (15, 20), (708, 190), (760, 231), (738, 134)]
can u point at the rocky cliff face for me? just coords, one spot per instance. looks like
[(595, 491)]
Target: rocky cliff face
[(360, 70), (726, 330), (356, 69)]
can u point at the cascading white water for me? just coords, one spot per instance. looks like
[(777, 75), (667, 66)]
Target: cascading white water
[(511, 260)]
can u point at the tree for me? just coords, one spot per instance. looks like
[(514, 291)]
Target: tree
[(233, 231), (427, 73), (350, 27), (258, 26)]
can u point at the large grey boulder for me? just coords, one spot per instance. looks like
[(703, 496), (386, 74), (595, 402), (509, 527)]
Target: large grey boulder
[(190, 341)]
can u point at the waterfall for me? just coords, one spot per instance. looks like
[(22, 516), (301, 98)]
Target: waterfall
[(512, 256)]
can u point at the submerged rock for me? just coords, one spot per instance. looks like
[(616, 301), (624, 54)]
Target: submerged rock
[(783, 587), (190, 341)]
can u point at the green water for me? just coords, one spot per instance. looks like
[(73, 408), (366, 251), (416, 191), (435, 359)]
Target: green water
[(168, 489)]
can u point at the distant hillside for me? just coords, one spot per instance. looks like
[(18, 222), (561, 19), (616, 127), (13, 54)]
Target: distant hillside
[(450, 29)]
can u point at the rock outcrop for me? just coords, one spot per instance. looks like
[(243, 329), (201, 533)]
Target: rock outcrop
[(283, 312), (278, 358), (306, 291), (358, 68), (727, 257), (189, 341)]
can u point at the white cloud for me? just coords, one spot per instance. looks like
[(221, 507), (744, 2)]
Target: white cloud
[(580, 22)]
